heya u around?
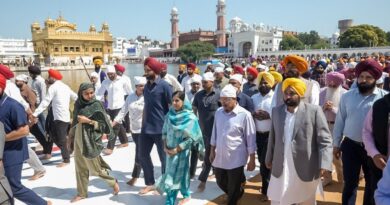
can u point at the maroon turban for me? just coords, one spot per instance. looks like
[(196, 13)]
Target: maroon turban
[(3, 82), (370, 66), (6, 72), (55, 74), (336, 77), (164, 66), (238, 69), (119, 68), (155, 65), (191, 65), (253, 71)]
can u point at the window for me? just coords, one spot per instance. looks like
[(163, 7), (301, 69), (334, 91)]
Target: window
[(108, 50), (66, 49), (56, 49), (77, 49), (270, 41), (71, 49), (86, 49)]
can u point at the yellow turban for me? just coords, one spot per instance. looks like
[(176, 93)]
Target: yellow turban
[(298, 61), (197, 70), (267, 77), (254, 64), (277, 76), (98, 62), (182, 66), (295, 83), (271, 68)]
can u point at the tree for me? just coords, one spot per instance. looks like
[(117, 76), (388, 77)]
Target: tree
[(363, 36), (388, 37), (291, 42), (194, 51), (321, 44), (310, 38)]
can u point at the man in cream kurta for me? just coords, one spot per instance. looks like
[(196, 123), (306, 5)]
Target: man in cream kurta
[(299, 148)]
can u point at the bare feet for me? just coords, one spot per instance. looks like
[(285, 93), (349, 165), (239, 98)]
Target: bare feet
[(201, 187), (37, 175), (76, 198), (146, 190), (107, 151), (184, 201), (62, 164), (132, 181), (116, 188), (123, 145)]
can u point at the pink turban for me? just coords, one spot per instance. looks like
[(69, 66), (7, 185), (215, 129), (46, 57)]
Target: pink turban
[(336, 77)]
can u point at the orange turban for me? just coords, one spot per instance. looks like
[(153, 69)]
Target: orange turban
[(267, 77), (295, 83), (55, 74), (298, 61), (97, 60), (277, 76)]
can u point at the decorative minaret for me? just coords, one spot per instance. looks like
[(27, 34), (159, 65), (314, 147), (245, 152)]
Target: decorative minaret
[(221, 32), (175, 28)]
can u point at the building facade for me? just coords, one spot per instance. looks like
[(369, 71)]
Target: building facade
[(18, 52), (197, 35), (246, 40), (59, 42)]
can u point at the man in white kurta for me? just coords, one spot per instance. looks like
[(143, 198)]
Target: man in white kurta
[(299, 148)]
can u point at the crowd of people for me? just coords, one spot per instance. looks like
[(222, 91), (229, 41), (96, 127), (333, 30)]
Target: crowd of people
[(303, 120)]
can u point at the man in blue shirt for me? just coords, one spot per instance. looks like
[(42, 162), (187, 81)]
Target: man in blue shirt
[(14, 118), (157, 97), (353, 108), (382, 194)]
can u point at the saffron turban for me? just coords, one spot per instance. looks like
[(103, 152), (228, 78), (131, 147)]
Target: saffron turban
[(238, 69), (370, 66), (296, 84), (154, 65), (336, 77), (55, 74), (191, 65), (252, 71), (277, 76), (298, 61), (34, 70), (119, 68), (267, 77), (97, 60), (6, 72), (182, 66), (3, 82)]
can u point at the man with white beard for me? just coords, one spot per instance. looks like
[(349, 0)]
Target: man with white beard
[(329, 101)]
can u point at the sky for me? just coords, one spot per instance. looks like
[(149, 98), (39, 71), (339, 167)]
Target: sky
[(151, 18)]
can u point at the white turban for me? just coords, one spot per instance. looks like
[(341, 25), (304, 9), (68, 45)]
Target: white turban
[(196, 79), (263, 68), (237, 77), (229, 69), (229, 91), (209, 76), (94, 74), (22, 77), (218, 70), (138, 80), (111, 69)]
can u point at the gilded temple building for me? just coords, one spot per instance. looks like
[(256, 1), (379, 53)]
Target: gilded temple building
[(59, 42)]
